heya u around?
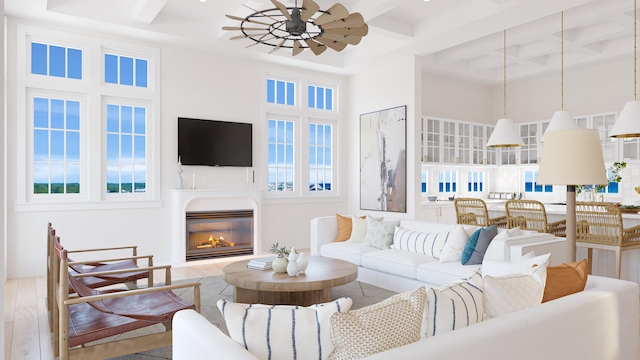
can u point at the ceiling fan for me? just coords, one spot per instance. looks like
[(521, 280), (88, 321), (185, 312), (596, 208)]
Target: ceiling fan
[(299, 28)]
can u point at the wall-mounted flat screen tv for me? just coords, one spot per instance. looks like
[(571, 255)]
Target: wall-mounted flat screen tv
[(214, 143)]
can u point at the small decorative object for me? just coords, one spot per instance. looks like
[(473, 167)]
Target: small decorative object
[(292, 267), (279, 265), (613, 176), (179, 178), (302, 262)]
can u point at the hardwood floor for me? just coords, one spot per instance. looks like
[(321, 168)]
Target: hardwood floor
[(26, 322)]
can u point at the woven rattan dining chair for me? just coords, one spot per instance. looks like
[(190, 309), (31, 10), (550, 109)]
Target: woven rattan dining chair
[(473, 211), (599, 226), (531, 215)]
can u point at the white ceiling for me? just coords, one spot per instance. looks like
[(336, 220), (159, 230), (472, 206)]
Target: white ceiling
[(455, 38)]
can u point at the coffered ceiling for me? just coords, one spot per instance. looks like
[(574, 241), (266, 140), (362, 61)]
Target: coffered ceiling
[(455, 38)]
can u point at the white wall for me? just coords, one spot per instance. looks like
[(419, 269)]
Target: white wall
[(3, 267), (393, 84), (459, 100), (193, 84)]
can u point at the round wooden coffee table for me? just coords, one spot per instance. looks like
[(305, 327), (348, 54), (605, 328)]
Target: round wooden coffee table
[(267, 287)]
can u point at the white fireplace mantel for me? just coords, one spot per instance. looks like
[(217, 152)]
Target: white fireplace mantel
[(184, 201)]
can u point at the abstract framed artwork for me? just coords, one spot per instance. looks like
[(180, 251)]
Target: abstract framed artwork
[(383, 161)]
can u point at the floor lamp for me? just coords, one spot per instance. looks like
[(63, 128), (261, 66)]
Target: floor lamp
[(572, 157)]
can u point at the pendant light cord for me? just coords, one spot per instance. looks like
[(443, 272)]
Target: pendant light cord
[(562, 60), (505, 73)]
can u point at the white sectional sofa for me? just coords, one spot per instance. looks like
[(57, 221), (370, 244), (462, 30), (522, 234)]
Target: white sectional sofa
[(400, 270)]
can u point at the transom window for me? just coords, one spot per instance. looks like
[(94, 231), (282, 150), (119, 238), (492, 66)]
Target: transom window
[(58, 61), (125, 70), (320, 97), (281, 92), (448, 181)]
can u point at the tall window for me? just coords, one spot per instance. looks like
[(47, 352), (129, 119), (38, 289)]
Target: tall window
[(56, 146), (126, 148), (448, 181), (320, 159), (301, 136), (281, 155)]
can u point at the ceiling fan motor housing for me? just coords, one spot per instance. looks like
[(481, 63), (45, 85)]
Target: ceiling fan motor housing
[(296, 26)]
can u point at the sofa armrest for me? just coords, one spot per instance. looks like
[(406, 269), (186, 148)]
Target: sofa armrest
[(557, 247), (323, 231), (194, 337)]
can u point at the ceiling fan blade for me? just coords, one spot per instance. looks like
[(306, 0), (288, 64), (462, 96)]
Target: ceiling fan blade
[(337, 46), (309, 7), (237, 37), (352, 40), (277, 46), (283, 9), (240, 28), (232, 17), (297, 47), (357, 31), (315, 46), (351, 21), (336, 12)]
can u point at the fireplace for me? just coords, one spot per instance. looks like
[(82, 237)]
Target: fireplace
[(214, 234)]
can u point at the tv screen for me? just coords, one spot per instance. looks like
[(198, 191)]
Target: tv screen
[(214, 143)]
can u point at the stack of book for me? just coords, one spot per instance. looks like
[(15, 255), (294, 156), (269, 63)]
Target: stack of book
[(263, 263)]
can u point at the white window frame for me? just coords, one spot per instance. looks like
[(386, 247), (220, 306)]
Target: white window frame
[(91, 90)]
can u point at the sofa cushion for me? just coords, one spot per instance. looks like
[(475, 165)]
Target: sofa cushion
[(379, 232), (485, 238), (452, 250), (454, 306), (438, 273), (347, 251), (283, 331), (497, 248), (392, 323), (397, 262), (358, 229), (565, 279)]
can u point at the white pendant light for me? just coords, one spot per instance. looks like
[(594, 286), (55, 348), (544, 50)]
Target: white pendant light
[(628, 123), (561, 120), (505, 134)]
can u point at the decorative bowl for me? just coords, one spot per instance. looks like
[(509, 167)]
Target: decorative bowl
[(432, 198)]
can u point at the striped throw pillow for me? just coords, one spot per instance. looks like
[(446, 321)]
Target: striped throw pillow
[(427, 243), (454, 306), (283, 331)]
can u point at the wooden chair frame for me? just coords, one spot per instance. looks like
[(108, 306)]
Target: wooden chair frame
[(67, 304), (96, 267), (473, 211), (532, 215), (599, 226)]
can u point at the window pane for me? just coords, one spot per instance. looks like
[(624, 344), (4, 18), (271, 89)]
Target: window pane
[(57, 114), (140, 150), (57, 178), (141, 73), (140, 120), (126, 147), (110, 69), (126, 119), (73, 115), (40, 113), (57, 145), (329, 100), (40, 178), (291, 93), (311, 97), (73, 178), (113, 118), (320, 98), (38, 59), (73, 146), (113, 148), (289, 133), (312, 134), (126, 70), (74, 67), (40, 145), (57, 61), (280, 92), (271, 91), (272, 131)]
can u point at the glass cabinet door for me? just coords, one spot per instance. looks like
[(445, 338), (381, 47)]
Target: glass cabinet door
[(431, 140), (448, 141), (464, 144), (603, 123), (529, 151)]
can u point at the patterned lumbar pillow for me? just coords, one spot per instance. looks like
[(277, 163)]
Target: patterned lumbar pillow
[(391, 323), (427, 243), (454, 306), (506, 294), (283, 331), (452, 250), (358, 229), (379, 232)]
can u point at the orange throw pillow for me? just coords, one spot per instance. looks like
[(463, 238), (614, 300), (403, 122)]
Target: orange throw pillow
[(344, 227), (565, 279)]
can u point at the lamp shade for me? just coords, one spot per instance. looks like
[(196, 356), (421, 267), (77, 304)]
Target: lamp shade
[(628, 123), (505, 134), (561, 120), (572, 157)]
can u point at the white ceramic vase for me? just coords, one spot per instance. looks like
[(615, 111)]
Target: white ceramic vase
[(292, 267), (302, 262), (279, 265)]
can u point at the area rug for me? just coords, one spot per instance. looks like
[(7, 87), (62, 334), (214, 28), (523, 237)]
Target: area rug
[(213, 288)]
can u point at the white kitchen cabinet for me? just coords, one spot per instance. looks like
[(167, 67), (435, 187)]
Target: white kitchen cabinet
[(441, 212)]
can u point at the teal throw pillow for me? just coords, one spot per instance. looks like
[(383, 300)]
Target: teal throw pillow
[(486, 235), (471, 245)]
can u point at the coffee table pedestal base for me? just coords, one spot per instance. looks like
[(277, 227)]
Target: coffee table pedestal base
[(302, 298)]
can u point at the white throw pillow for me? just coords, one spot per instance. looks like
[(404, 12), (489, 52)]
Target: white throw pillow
[(497, 248), (506, 294), (452, 250), (283, 331), (358, 229), (380, 232), (427, 243), (454, 306)]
